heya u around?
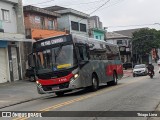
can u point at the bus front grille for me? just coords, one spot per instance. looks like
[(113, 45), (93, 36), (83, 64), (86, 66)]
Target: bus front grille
[(49, 87)]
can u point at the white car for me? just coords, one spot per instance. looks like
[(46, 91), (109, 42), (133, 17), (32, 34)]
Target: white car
[(139, 70)]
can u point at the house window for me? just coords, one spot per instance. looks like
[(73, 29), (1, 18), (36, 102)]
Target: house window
[(100, 37), (5, 15), (50, 24), (37, 19), (83, 27), (96, 37), (42, 23), (74, 25), (119, 42)]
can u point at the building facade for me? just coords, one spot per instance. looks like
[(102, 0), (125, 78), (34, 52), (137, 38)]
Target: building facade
[(12, 36), (96, 29), (40, 23), (72, 21), (124, 44)]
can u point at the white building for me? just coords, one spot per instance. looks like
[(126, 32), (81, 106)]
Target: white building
[(11, 37), (124, 44)]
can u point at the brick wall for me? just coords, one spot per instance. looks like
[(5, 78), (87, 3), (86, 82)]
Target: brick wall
[(33, 20)]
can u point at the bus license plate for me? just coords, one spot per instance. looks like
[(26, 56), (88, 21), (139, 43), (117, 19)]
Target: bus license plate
[(55, 88)]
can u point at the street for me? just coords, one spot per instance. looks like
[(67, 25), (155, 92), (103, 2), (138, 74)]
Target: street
[(131, 94)]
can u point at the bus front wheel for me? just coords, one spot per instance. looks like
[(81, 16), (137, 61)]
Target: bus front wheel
[(95, 83)]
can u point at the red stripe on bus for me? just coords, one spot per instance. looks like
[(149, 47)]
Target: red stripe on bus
[(111, 68), (56, 81)]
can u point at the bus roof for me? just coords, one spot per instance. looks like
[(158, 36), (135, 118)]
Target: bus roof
[(86, 39)]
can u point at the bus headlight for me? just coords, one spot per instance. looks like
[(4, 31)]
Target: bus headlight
[(76, 75), (37, 82)]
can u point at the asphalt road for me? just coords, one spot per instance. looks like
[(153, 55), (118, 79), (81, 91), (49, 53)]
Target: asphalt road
[(131, 94)]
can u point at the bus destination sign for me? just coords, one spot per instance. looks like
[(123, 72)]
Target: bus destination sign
[(51, 42)]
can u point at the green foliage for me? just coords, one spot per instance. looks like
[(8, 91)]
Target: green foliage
[(144, 40)]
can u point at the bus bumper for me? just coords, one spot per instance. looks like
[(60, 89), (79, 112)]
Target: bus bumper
[(73, 84)]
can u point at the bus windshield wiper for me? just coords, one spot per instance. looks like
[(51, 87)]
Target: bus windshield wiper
[(58, 52)]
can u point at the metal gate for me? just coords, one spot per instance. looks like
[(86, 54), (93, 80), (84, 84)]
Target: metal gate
[(14, 63)]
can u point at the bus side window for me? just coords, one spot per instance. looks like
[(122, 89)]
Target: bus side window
[(83, 54)]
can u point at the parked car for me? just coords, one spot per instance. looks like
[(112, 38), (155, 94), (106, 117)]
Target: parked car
[(139, 70), (127, 65), (30, 74)]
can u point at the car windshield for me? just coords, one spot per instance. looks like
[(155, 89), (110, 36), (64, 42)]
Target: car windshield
[(55, 59), (139, 66)]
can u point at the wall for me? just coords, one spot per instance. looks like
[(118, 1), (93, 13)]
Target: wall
[(100, 35), (63, 22), (31, 22), (112, 41), (80, 20), (11, 25)]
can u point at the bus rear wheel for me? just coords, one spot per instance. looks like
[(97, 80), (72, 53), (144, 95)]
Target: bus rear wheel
[(114, 81), (59, 93), (95, 83)]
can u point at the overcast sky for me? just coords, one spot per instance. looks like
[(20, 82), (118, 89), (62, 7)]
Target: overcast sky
[(115, 13)]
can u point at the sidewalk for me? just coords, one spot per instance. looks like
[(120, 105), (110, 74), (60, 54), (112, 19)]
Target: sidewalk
[(18, 92), (127, 73)]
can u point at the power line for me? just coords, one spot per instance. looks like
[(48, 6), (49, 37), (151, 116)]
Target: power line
[(119, 1), (89, 14), (93, 11), (85, 3), (99, 7), (132, 25)]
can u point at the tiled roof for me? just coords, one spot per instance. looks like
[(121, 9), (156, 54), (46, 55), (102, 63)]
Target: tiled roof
[(113, 35), (128, 32), (40, 10), (62, 10)]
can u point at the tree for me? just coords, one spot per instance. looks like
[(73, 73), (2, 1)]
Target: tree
[(144, 40)]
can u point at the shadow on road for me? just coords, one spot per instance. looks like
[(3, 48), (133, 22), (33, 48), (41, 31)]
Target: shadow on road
[(79, 92)]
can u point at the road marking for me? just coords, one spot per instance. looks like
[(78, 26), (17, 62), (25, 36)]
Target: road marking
[(83, 97)]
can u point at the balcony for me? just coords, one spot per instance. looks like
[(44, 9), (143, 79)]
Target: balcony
[(1, 27)]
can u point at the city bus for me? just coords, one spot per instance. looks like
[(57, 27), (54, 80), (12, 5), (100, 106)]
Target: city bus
[(70, 62)]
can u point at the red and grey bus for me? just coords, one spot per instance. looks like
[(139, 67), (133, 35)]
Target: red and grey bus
[(69, 62)]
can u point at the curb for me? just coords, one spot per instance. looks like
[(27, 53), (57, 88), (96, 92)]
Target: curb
[(126, 76), (24, 101)]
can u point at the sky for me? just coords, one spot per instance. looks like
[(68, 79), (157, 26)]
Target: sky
[(115, 14)]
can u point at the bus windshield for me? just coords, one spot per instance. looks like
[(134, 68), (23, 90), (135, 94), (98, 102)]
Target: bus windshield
[(56, 58)]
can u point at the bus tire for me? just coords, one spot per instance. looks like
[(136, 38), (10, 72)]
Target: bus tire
[(95, 83), (59, 93), (114, 81)]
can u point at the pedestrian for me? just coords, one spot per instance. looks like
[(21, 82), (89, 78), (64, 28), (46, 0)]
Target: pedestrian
[(158, 62)]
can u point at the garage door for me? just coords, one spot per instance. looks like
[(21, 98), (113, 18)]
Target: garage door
[(3, 66)]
